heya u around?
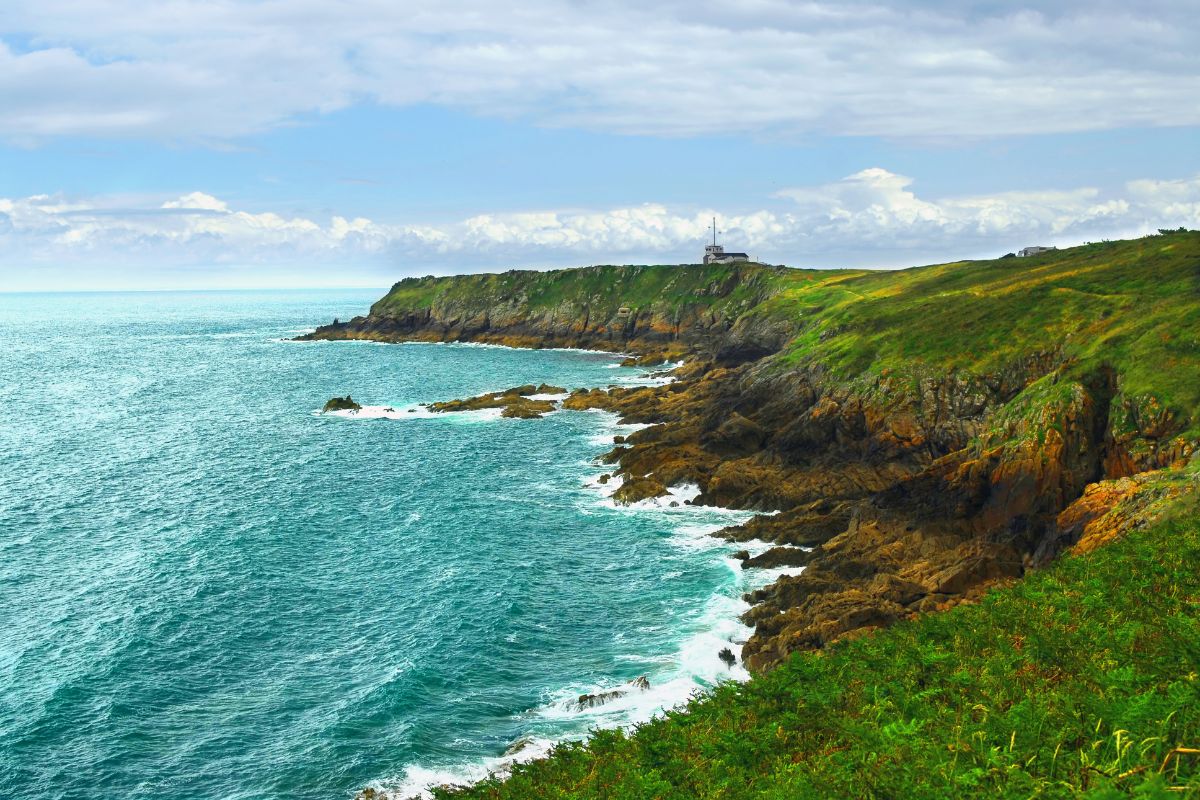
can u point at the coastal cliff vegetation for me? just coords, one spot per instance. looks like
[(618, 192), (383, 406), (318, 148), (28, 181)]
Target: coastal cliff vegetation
[(1010, 442)]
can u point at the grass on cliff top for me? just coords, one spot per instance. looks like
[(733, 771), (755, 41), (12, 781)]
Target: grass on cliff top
[(1132, 305), (604, 288), (1078, 681)]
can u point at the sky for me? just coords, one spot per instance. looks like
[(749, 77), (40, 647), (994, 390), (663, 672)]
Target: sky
[(262, 143)]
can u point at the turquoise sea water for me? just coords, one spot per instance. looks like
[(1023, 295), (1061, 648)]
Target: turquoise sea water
[(207, 590)]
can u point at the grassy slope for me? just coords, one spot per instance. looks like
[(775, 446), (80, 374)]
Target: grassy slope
[(1079, 680), (723, 286), (1133, 305)]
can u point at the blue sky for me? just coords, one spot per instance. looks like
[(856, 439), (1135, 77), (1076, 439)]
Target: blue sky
[(188, 144)]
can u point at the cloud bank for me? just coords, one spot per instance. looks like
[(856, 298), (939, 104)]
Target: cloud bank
[(195, 70), (871, 218)]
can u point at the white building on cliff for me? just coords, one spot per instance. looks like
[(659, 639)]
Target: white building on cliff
[(715, 253)]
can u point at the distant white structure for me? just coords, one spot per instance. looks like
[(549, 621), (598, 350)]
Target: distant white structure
[(715, 253), (1033, 251)]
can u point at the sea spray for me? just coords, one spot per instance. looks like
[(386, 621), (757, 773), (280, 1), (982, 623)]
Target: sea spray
[(672, 678), (278, 603)]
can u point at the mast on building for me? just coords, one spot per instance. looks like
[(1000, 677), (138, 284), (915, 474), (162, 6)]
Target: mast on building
[(715, 253)]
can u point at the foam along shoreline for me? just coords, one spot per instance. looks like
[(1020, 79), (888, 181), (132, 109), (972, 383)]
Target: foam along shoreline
[(411, 411), (674, 677)]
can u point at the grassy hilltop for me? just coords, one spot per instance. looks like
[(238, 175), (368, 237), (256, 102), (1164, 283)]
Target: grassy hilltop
[(1132, 304), (938, 434)]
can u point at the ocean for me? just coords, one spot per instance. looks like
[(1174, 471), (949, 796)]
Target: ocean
[(210, 590)]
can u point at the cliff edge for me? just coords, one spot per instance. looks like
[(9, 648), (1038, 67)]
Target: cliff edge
[(926, 432)]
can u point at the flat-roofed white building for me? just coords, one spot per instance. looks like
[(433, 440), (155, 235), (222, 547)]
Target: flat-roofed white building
[(715, 253)]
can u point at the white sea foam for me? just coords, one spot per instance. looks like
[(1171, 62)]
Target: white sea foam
[(415, 411), (644, 380), (418, 781), (675, 677)]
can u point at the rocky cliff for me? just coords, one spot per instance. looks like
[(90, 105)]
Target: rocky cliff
[(650, 310), (922, 434)]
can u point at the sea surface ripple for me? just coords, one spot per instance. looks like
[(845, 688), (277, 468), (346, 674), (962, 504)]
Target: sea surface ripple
[(207, 590)]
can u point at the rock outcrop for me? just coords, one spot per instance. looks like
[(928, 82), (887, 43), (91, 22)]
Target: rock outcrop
[(341, 404), (521, 402), (901, 485), (662, 312), (586, 701)]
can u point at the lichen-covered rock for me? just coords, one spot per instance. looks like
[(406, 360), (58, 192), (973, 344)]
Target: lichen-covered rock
[(515, 403), (635, 490), (777, 557)]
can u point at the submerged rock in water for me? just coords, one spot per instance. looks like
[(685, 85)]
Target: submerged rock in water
[(727, 656), (641, 683), (519, 746), (341, 404), (599, 698)]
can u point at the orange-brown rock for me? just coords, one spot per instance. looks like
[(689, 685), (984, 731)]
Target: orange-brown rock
[(915, 491), (515, 402)]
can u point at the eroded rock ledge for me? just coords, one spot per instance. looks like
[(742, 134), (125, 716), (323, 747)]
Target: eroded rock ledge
[(910, 490)]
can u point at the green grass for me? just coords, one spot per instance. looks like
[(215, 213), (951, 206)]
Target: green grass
[(1130, 305), (730, 288), (1078, 681)]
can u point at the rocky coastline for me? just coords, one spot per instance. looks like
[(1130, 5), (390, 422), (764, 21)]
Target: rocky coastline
[(900, 491)]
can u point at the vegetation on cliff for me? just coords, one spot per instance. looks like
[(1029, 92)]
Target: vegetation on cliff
[(930, 434), (1078, 681)]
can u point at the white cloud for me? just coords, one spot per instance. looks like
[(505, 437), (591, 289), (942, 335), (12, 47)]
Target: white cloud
[(190, 69), (871, 218)]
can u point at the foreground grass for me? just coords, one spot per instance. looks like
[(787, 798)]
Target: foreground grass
[(1078, 681)]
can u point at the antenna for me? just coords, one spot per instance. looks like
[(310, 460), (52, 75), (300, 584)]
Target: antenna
[(714, 231)]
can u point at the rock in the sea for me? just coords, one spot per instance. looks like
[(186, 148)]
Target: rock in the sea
[(742, 555), (524, 408), (727, 656), (605, 478), (599, 698), (778, 557), (635, 490), (513, 402), (341, 404), (641, 683), (520, 745)]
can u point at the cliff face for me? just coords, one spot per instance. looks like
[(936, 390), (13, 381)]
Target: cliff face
[(920, 464), (651, 310)]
